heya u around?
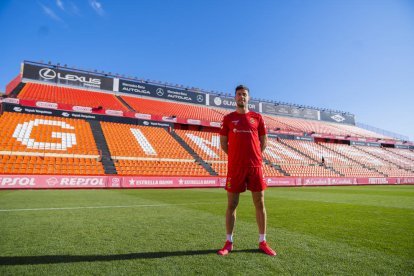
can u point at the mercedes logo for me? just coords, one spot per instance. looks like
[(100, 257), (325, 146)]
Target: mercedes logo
[(160, 92), (47, 73), (200, 98)]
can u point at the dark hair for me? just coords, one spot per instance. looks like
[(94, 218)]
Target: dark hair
[(242, 87)]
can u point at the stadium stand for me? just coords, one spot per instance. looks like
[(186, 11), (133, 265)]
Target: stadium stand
[(280, 153), (408, 154), (148, 151), (71, 96), (171, 109), (358, 132), (207, 146), (37, 144), (292, 160), (362, 161), (311, 126), (392, 165), (273, 124)]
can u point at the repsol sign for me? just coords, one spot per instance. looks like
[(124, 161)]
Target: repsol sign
[(58, 75)]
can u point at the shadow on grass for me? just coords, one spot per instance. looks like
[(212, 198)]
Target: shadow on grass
[(56, 259)]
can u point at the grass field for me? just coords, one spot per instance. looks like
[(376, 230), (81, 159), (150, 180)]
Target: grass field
[(316, 230)]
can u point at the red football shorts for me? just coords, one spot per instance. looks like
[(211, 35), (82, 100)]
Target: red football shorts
[(242, 178)]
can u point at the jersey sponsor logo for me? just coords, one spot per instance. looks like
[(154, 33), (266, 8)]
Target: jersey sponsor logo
[(235, 130), (228, 183)]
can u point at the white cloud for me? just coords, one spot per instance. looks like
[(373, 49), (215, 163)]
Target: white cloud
[(59, 3), (49, 12), (97, 6), (74, 9)]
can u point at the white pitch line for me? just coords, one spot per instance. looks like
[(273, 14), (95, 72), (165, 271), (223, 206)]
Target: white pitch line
[(104, 207)]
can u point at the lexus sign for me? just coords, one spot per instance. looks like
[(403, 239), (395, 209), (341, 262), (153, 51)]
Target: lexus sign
[(63, 76), (47, 73)]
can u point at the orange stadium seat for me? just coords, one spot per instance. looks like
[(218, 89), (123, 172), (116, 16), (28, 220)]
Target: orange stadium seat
[(165, 108), (207, 146), (71, 96), (37, 144), (144, 150)]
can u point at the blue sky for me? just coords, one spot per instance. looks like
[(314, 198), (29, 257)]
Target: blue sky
[(351, 55)]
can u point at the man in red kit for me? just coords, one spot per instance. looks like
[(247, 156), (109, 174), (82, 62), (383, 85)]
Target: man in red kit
[(243, 138)]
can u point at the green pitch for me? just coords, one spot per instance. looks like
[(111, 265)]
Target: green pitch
[(316, 230)]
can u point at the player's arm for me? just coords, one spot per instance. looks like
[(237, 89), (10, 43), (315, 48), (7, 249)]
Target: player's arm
[(263, 142), (224, 142), (262, 134)]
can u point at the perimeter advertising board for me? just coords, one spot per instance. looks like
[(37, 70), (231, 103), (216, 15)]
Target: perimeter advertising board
[(275, 109), (230, 103), (159, 91), (402, 146), (59, 75), (139, 182), (368, 144), (341, 118), (68, 114)]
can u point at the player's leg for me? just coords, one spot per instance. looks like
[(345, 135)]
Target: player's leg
[(261, 216), (232, 202), (257, 184)]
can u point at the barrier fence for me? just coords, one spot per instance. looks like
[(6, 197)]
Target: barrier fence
[(128, 182)]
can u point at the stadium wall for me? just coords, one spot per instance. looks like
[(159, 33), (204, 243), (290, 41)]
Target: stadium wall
[(13, 84)]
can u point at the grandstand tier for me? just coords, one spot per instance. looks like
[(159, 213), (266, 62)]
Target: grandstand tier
[(153, 136)]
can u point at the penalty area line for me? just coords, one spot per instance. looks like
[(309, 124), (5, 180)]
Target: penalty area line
[(104, 207)]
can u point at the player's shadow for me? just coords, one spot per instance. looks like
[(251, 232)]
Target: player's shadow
[(56, 259)]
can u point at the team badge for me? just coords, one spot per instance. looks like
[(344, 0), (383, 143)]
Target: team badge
[(252, 121)]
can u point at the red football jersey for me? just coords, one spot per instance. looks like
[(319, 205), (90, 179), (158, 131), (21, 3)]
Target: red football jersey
[(243, 132)]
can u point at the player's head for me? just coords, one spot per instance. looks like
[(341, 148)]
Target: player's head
[(242, 87), (242, 96)]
